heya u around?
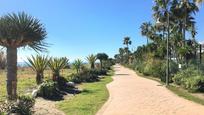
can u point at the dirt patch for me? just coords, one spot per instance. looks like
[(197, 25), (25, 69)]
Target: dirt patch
[(47, 107)]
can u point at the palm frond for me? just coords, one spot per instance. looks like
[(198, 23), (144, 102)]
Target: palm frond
[(21, 30), (38, 63), (56, 64)]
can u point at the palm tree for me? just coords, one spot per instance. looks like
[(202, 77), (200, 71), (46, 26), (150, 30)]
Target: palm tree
[(127, 42), (91, 59), (145, 30), (56, 64), (102, 57), (19, 30), (38, 64), (121, 53), (77, 64)]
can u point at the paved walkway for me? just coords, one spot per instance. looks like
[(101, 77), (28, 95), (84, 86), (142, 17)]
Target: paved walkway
[(133, 95)]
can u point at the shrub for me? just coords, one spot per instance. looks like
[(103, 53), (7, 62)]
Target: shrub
[(62, 83), (190, 79), (161, 70), (22, 106), (194, 84), (49, 90), (102, 72), (86, 76)]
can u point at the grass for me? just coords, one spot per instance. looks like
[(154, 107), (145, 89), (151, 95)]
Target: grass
[(26, 80), (92, 98), (183, 93)]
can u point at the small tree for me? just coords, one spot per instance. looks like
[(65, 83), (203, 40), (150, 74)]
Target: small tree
[(77, 64), (56, 64), (102, 57), (127, 42), (91, 59), (38, 64), (19, 30)]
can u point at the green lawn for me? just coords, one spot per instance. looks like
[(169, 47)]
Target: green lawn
[(89, 101), (26, 80)]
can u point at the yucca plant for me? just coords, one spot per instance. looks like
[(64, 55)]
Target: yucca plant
[(38, 64), (92, 59), (77, 64), (56, 64)]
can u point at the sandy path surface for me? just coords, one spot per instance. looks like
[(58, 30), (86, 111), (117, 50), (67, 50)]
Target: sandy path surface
[(133, 95)]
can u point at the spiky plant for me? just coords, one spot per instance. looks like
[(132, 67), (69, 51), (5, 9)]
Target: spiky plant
[(77, 64), (92, 59), (19, 30), (38, 64), (56, 64)]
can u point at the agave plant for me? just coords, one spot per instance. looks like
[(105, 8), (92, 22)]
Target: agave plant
[(56, 64), (77, 64), (38, 64), (91, 59)]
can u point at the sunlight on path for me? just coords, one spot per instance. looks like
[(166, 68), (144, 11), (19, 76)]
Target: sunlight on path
[(133, 95)]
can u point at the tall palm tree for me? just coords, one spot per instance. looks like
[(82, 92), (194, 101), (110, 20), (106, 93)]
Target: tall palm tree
[(92, 59), (145, 30), (102, 57), (56, 64), (38, 64), (19, 30), (127, 41), (77, 64)]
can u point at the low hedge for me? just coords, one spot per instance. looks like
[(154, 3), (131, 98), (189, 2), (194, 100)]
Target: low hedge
[(190, 79)]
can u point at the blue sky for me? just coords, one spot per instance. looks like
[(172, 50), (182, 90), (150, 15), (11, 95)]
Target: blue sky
[(77, 28)]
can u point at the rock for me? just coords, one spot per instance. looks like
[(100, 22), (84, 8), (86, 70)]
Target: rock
[(101, 77), (71, 84), (34, 93)]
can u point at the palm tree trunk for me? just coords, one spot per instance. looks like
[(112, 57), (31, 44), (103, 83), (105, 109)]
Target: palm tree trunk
[(101, 64), (55, 75), (11, 73), (39, 78), (92, 66)]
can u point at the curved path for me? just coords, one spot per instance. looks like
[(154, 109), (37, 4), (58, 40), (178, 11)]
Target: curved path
[(133, 95)]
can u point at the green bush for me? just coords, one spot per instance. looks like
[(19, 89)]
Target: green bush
[(161, 72), (87, 76), (49, 90), (62, 83), (22, 106), (190, 79)]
